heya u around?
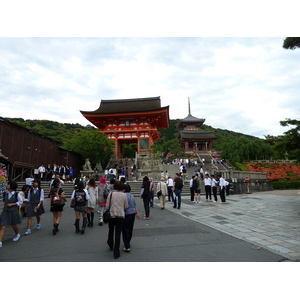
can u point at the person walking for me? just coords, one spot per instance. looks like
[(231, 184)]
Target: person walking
[(170, 189), (10, 214), (207, 186), (145, 195), (56, 210), (152, 189), (162, 187), (103, 192), (192, 190), (35, 207), (130, 214), (196, 183), (214, 184), (177, 186), (93, 195), (116, 203), (80, 196)]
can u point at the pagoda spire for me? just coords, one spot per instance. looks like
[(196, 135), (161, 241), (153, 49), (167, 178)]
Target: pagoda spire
[(189, 107)]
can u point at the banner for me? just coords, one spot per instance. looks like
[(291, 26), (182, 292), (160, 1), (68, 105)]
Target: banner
[(2, 182)]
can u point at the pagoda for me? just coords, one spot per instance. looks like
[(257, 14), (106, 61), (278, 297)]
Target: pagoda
[(192, 137), (129, 121)]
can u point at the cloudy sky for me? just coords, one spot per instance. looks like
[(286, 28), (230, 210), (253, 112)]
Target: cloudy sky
[(242, 84)]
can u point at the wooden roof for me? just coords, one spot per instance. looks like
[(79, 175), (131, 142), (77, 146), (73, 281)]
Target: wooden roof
[(119, 106), (197, 135)]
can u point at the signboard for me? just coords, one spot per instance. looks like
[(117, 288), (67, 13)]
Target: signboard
[(2, 182), (247, 179)]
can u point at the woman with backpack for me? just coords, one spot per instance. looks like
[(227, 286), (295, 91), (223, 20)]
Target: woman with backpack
[(10, 214), (93, 193), (56, 209), (35, 207), (80, 196)]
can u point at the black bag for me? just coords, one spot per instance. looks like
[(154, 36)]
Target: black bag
[(105, 193), (159, 193), (106, 214)]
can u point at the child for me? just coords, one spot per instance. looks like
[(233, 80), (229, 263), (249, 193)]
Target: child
[(35, 205), (10, 215)]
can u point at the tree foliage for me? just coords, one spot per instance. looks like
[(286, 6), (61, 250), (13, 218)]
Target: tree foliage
[(291, 43), (92, 144), (289, 143)]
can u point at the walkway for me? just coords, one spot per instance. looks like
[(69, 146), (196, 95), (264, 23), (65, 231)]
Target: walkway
[(270, 220)]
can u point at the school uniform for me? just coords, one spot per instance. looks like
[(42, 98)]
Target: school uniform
[(35, 195), (10, 215)]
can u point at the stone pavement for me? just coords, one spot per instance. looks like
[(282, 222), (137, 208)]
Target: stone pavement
[(269, 220)]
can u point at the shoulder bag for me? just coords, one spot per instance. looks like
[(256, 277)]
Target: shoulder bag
[(106, 214)]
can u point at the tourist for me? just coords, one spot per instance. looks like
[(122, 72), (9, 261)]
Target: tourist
[(184, 173), (192, 190), (207, 186), (116, 203), (41, 172), (145, 195), (166, 175), (71, 171), (152, 190), (170, 189), (214, 184), (56, 210), (134, 169), (48, 172), (93, 195), (80, 196), (35, 208), (130, 213), (10, 215), (29, 180), (101, 199), (222, 189), (162, 187), (196, 183), (24, 194), (177, 187)]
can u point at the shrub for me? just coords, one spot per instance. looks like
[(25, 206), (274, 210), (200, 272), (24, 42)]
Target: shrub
[(286, 184)]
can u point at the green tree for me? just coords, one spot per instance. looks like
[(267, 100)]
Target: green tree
[(289, 142), (291, 43), (92, 144)]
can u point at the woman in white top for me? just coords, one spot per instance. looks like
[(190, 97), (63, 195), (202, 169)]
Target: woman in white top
[(93, 193)]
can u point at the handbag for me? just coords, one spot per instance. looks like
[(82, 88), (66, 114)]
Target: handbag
[(58, 200), (72, 204), (106, 214), (159, 193)]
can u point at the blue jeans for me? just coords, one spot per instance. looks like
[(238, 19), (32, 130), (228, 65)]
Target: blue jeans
[(178, 197)]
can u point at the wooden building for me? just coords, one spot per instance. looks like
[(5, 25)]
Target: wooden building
[(192, 137), (23, 150), (129, 121)]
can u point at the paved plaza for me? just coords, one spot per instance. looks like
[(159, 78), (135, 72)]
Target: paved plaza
[(270, 220)]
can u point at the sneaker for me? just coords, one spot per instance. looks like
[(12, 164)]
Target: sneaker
[(38, 226), (28, 231), (16, 238)]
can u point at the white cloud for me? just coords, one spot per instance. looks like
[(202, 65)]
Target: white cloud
[(240, 84)]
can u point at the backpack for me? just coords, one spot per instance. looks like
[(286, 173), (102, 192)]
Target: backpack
[(80, 197), (195, 183)]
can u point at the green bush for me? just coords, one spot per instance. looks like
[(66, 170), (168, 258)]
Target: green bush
[(286, 184)]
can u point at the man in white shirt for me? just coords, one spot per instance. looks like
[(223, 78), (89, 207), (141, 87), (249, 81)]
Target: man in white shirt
[(170, 188), (214, 184), (192, 190), (42, 171), (207, 184), (222, 189)]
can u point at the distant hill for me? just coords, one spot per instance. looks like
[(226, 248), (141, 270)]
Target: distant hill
[(62, 132)]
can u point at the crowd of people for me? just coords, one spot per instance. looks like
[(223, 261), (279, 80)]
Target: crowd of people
[(112, 193), (48, 173)]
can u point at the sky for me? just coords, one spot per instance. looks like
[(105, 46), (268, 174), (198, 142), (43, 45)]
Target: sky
[(242, 84)]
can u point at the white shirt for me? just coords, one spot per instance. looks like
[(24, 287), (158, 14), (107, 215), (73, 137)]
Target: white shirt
[(207, 181), (20, 199), (170, 182), (222, 182), (28, 181), (191, 182), (213, 182)]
